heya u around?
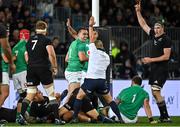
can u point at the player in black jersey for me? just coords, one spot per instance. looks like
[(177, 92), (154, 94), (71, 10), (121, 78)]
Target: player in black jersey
[(160, 54), (39, 111), (42, 65), (87, 114), (7, 51)]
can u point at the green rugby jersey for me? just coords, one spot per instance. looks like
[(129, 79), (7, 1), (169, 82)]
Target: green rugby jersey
[(5, 66), (74, 63), (132, 99), (85, 67), (19, 50)]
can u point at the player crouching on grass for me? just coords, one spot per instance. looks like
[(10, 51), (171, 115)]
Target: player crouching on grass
[(131, 99)]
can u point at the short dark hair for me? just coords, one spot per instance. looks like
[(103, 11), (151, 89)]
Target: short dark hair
[(137, 80), (81, 28)]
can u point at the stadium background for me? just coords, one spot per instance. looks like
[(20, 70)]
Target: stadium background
[(118, 24)]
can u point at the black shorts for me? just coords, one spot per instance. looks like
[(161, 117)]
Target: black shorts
[(35, 75), (85, 107), (158, 77), (8, 114), (95, 85)]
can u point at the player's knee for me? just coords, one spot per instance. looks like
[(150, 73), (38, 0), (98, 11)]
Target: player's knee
[(80, 95), (68, 116), (50, 92)]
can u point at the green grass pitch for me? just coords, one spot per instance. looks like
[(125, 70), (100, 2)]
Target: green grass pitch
[(143, 122)]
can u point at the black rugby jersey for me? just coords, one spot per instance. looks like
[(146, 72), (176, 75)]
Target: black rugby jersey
[(159, 43), (37, 53)]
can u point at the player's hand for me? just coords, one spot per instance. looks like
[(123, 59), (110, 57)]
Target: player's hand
[(68, 23), (138, 6), (91, 21), (54, 71), (146, 60), (92, 38), (12, 68)]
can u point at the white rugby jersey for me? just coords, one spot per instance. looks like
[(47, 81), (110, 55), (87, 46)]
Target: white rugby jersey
[(98, 63)]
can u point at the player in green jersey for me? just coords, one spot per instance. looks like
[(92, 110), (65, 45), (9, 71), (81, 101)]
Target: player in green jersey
[(74, 34), (20, 59), (75, 58), (131, 99), (5, 78)]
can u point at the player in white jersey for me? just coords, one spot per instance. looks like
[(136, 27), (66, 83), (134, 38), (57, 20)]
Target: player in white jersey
[(95, 80)]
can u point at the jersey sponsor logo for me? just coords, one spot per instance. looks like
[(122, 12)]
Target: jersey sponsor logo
[(155, 42), (160, 39)]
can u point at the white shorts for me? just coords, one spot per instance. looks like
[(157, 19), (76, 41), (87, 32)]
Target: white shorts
[(124, 118), (127, 120), (19, 80), (83, 77), (73, 77), (5, 78)]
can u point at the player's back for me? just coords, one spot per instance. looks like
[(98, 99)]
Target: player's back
[(132, 100), (37, 53)]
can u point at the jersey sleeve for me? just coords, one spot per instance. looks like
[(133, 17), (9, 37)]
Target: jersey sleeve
[(48, 41), (81, 47), (120, 96), (167, 43), (3, 33), (151, 33), (146, 95)]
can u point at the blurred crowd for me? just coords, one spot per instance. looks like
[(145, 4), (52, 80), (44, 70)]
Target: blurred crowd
[(121, 12), (20, 14)]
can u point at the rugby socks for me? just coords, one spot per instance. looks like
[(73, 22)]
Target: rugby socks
[(18, 114), (77, 108), (163, 109), (115, 109), (25, 104)]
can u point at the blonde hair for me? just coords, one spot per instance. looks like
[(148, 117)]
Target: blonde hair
[(41, 26)]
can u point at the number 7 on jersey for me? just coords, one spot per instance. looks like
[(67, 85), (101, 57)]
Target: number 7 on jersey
[(35, 42)]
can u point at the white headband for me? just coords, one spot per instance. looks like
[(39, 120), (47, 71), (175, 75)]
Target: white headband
[(40, 30)]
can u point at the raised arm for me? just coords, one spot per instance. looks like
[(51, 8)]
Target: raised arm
[(72, 32), (141, 20), (91, 23)]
